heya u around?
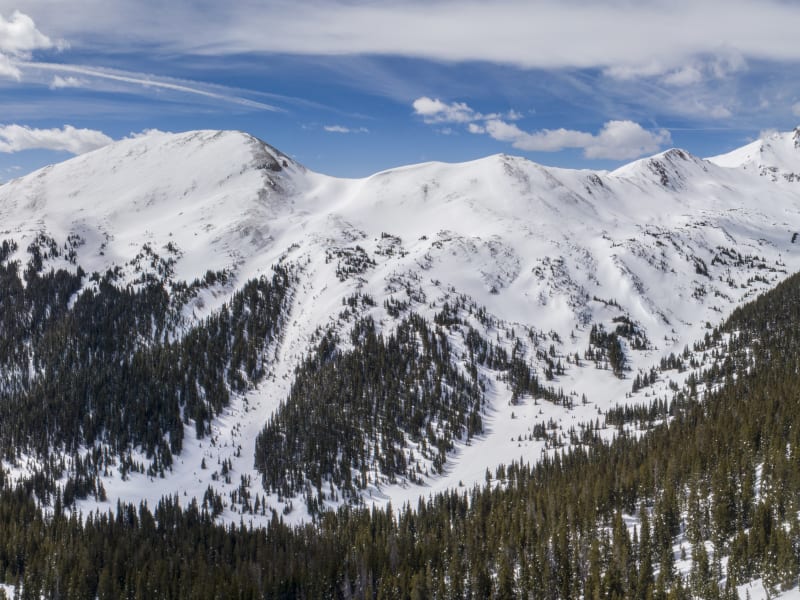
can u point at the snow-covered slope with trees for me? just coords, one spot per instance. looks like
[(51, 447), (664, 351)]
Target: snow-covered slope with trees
[(541, 263)]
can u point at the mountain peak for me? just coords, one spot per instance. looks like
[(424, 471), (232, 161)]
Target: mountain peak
[(775, 155), (670, 168), (200, 189)]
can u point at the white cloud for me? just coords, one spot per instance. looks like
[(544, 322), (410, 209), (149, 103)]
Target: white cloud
[(145, 81), (616, 140), (18, 38), (146, 132), (699, 107), (9, 69), (19, 35), (687, 75), (541, 34), (629, 71), (796, 109), (15, 138), (433, 111), (727, 62), (545, 140), (625, 139), (343, 129), (66, 82), (681, 71), (719, 112)]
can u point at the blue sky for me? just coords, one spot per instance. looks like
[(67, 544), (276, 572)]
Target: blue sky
[(350, 87)]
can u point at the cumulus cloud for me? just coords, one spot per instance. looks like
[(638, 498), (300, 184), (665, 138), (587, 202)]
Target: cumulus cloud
[(625, 139), (434, 111), (152, 131), (545, 140), (616, 140), (19, 35), (343, 129), (15, 138), (18, 38), (796, 109)]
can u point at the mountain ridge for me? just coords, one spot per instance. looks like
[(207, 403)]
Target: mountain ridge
[(774, 155), (662, 248)]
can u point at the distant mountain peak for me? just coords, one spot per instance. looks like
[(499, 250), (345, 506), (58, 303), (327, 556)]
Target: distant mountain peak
[(776, 155)]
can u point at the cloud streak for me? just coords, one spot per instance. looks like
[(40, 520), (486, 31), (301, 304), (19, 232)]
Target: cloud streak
[(19, 37), (16, 138), (343, 129), (148, 82)]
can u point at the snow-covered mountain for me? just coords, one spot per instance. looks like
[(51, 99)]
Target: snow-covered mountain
[(774, 156), (533, 257)]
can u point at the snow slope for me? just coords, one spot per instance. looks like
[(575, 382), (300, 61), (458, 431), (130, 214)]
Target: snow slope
[(672, 242), (775, 157)]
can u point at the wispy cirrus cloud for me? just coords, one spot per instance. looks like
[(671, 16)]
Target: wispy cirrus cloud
[(16, 138), (20, 37), (688, 70), (641, 37), (343, 129), (86, 76)]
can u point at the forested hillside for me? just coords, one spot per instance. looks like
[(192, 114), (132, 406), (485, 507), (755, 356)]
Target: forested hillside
[(94, 369), (715, 482)]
